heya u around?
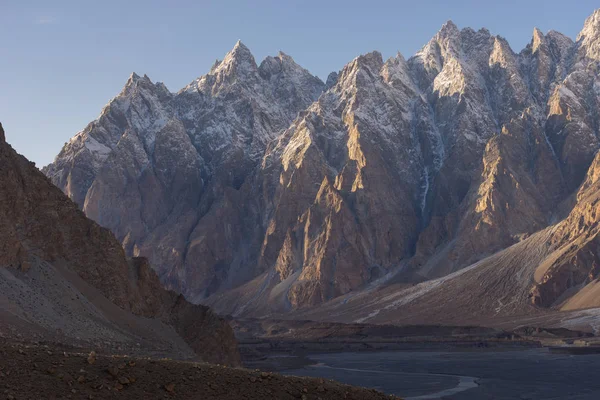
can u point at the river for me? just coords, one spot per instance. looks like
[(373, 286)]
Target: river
[(419, 375)]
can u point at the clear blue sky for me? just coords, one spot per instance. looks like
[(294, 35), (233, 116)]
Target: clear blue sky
[(63, 60)]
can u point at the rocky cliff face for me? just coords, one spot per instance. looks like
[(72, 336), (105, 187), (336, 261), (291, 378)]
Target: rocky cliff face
[(399, 170), (42, 227), (555, 269), (180, 159)]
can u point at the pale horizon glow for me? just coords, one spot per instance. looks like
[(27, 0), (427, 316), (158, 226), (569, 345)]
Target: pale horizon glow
[(64, 60)]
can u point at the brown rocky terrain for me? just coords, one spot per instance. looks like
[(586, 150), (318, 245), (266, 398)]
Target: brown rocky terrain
[(43, 372), (64, 276)]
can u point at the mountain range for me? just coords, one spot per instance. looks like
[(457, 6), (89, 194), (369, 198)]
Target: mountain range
[(459, 185)]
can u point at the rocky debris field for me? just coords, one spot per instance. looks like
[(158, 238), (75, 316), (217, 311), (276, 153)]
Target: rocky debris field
[(35, 371)]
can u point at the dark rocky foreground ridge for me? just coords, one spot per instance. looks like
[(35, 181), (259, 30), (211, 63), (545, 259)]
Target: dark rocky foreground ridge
[(42, 372), (65, 279), (260, 190)]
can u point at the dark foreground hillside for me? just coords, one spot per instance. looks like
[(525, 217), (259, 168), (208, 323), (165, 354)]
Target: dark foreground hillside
[(42, 372), (67, 280)]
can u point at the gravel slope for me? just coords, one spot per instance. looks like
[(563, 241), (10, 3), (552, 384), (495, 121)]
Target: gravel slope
[(41, 372)]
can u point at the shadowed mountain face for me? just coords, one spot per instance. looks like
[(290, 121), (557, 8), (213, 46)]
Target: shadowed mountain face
[(259, 189), (61, 272), (164, 171)]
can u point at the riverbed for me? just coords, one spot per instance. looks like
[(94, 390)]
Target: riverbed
[(419, 375)]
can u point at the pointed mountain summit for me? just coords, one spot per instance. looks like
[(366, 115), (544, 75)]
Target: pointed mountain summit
[(144, 81), (448, 29), (240, 48), (141, 109), (239, 61), (133, 78), (448, 32), (282, 62), (589, 37), (281, 55), (537, 40), (429, 61), (591, 26)]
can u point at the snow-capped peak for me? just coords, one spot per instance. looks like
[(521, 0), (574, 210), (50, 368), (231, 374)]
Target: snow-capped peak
[(240, 46), (134, 80), (237, 65), (445, 41), (238, 61), (348, 78), (448, 29), (273, 65), (589, 37), (133, 77), (282, 62), (591, 27), (282, 56), (372, 60), (396, 72)]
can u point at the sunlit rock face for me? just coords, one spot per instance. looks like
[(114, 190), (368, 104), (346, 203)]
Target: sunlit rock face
[(259, 189)]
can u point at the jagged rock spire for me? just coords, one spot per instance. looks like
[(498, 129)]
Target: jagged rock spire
[(448, 29), (237, 63), (537, 40), (332, 79), (591, 27), (239, 54), (589, 37)]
